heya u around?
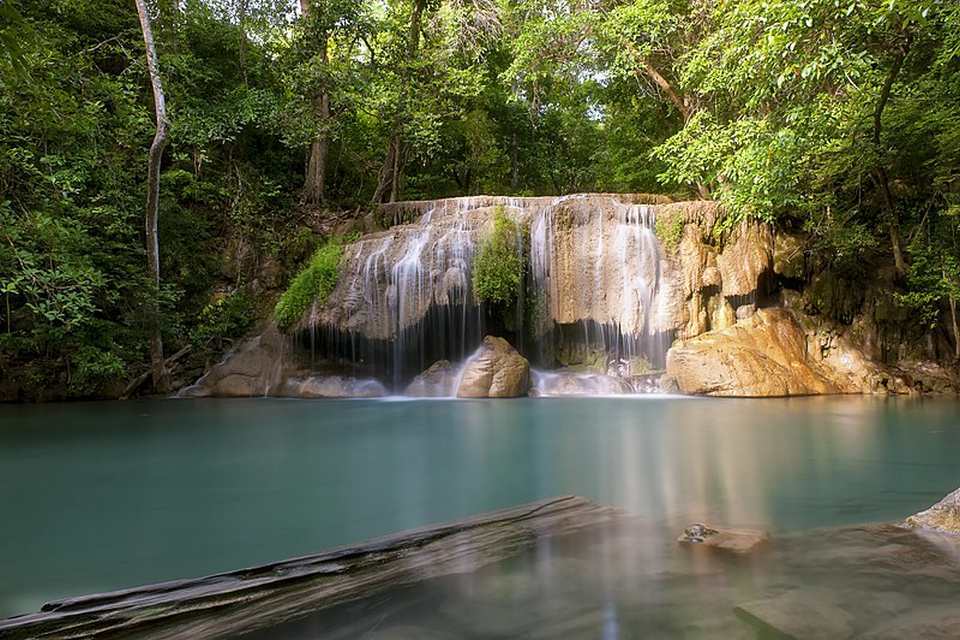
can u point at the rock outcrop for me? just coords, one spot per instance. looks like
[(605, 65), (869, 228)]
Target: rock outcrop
[(943, 516), (252, 368), (768, 353), (762, 355), (265, 365), (438, 381), (739, 541), (496, 370)]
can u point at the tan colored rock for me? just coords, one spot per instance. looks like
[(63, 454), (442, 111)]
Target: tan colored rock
[(747, 255), (800, 615), (329, 387), (788, 258), (252, 368), (437, 381), (943, 516), (763, 355), (722, 314), (739, 541), (496, 370)]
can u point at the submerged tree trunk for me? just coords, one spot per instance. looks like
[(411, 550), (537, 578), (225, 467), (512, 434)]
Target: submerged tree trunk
[(157, 370)]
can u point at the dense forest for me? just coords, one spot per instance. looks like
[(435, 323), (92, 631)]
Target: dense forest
[(840, 118)]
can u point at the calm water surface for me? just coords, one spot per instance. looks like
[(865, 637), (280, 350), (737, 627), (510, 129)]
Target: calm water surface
[(99, 496)]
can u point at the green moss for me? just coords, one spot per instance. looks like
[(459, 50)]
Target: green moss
[(669, 231), (313, 284), (499, 266)]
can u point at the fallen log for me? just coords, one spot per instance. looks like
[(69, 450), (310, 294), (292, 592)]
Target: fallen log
[(227, 604)]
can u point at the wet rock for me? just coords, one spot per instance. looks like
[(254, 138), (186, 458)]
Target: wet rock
[(252, 368), (496, 370), (763, 355), (438, 381), (739, 541), (330, 387), (744, 311), (943, 516), (930, 623), (564, 383), (747, 255), (799, 616)]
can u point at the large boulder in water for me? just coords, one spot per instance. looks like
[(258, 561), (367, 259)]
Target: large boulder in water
[(252, 368), (762, 355), (438, 381), (496, 370), (943, 516)]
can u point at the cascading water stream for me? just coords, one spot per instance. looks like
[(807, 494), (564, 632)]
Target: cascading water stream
[(594, 274)]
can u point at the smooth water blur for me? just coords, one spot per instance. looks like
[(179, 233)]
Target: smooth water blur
[(99, 496)]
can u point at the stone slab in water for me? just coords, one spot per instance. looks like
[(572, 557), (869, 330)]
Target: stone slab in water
[(798, 615), (740, 541)]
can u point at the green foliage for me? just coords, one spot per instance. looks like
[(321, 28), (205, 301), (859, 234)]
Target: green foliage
[(226, 318), (498, 268), (312, 285), (93, 368), (670, 231)]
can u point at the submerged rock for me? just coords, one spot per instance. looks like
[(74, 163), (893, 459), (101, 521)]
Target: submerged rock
[(733, 540), (438, 381), (943, 516), (496, 370), (567, 383), (798, 615), (930, 623), (330, 387)]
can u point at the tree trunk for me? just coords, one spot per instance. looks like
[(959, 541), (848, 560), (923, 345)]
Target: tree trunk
[(883, 181), (153, 201), (315, 183), (389, 177), (514, 163)]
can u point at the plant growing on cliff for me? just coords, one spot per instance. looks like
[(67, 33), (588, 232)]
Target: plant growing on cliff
[(499, 266), (312, 285)]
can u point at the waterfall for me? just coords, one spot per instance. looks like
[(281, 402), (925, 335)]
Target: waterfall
[(595, 280)]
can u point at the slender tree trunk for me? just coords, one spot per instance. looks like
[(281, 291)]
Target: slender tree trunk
[(315, 180), (514, 163), (153, 200), (880, 174), (389, 177)]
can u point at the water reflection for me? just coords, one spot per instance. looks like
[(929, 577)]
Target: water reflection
[(113, 495)]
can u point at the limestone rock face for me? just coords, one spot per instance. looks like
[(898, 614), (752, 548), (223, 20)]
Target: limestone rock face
[(763, 355), (943, 516), (746, 256), (496, 370), (438, 381)]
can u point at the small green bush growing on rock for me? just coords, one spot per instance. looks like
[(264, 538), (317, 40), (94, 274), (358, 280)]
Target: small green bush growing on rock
[(499, 266), (669, 231), (313, 284)]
